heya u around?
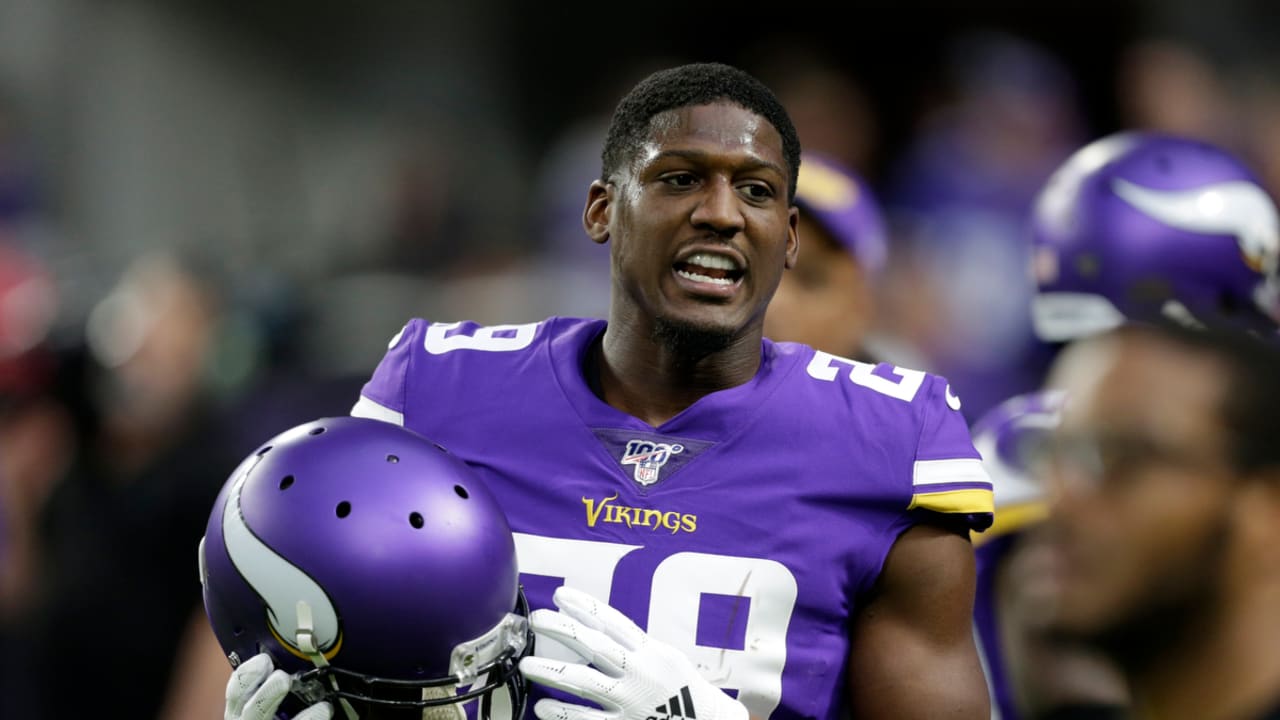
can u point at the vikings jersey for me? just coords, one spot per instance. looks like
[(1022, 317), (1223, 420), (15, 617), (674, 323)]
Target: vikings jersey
[(744, 531)]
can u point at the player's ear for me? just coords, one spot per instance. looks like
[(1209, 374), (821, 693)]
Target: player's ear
[(793, 236), (595, 218)]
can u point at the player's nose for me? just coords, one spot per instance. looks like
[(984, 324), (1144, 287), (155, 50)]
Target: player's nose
[(718, 209)]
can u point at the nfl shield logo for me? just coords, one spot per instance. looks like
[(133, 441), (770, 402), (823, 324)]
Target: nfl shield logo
[(649, 457)]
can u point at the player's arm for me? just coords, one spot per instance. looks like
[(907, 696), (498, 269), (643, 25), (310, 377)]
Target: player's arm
[(913, 653)]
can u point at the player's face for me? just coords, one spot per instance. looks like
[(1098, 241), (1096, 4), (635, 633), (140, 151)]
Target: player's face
[(824, 301), (1142, 492), (700, 225)]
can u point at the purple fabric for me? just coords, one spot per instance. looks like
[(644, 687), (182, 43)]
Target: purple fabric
[(789, 492)]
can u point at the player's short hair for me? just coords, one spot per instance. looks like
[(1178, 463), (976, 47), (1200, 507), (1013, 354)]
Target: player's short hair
[(1250, 410), (689, 85)]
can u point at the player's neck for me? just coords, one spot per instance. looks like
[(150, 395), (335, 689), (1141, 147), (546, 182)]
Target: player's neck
[(1224, 672), (644, 377)]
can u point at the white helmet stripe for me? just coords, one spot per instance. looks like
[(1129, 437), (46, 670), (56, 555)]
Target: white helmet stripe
[(278, 582), (1238, 207)]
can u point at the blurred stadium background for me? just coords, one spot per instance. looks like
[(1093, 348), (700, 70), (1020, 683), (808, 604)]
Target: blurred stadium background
[(356, 163)]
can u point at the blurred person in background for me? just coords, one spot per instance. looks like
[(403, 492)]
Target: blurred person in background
[(118, 532), (827, 300), (1165, 481), (959, 197), (1133, 227), (35, 425), (1032, 674)]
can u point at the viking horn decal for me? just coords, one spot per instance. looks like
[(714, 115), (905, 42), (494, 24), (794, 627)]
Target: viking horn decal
[(279, 583)]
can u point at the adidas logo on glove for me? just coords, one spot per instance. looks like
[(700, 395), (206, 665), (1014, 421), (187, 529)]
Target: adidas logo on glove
[(675, 708)]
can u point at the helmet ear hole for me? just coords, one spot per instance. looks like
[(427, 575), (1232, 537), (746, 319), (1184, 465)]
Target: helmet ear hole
[(415, 519), (461, 491), (344, 509)]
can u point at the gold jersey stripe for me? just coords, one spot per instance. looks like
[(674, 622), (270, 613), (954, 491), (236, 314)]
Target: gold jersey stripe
[(954, 501)]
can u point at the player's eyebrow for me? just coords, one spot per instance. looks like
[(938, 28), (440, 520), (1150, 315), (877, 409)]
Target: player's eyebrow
[(750, 163)]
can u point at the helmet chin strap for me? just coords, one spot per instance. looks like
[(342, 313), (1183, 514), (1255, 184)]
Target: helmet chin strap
[(306, 642)]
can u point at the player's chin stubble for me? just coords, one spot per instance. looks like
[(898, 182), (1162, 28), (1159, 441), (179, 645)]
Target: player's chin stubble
[(690, 340)]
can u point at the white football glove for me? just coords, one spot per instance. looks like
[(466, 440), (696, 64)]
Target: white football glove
[(634, 677), (256, 690)]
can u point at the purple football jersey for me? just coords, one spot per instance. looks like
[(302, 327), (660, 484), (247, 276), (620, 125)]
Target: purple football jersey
[(745, 531)]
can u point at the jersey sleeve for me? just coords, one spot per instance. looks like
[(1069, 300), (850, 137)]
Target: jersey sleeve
[(948, 476), (383, 396)]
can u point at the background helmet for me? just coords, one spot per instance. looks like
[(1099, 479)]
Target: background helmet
[(1143, 226), (374, 564)]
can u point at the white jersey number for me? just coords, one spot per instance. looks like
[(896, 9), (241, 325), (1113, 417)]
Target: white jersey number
[(494, 338), (678, 584), (824, 366)]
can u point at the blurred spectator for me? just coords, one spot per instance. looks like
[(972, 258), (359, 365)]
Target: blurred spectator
[(961, 196), (119, 533), (36, 432), (1168, 86)]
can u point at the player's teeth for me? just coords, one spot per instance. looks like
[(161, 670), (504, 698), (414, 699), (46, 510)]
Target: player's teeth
[(703, 278), (715, 262)]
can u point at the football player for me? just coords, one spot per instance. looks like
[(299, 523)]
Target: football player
[(1132, 227), (727, 525), (1165, 478)]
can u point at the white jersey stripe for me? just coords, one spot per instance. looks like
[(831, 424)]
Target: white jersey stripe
[(941, 472), (367, 408)]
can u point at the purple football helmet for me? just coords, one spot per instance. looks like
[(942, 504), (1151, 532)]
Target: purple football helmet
[(371, 564), (1144, 226)]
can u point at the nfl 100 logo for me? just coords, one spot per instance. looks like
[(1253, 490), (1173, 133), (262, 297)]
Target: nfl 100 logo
[(649, 457)]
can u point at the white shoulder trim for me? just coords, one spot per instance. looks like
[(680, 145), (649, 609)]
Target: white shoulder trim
[(942, 472), (367, 408)]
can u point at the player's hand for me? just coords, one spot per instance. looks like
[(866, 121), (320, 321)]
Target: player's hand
[(256, 690), (634, 676)]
